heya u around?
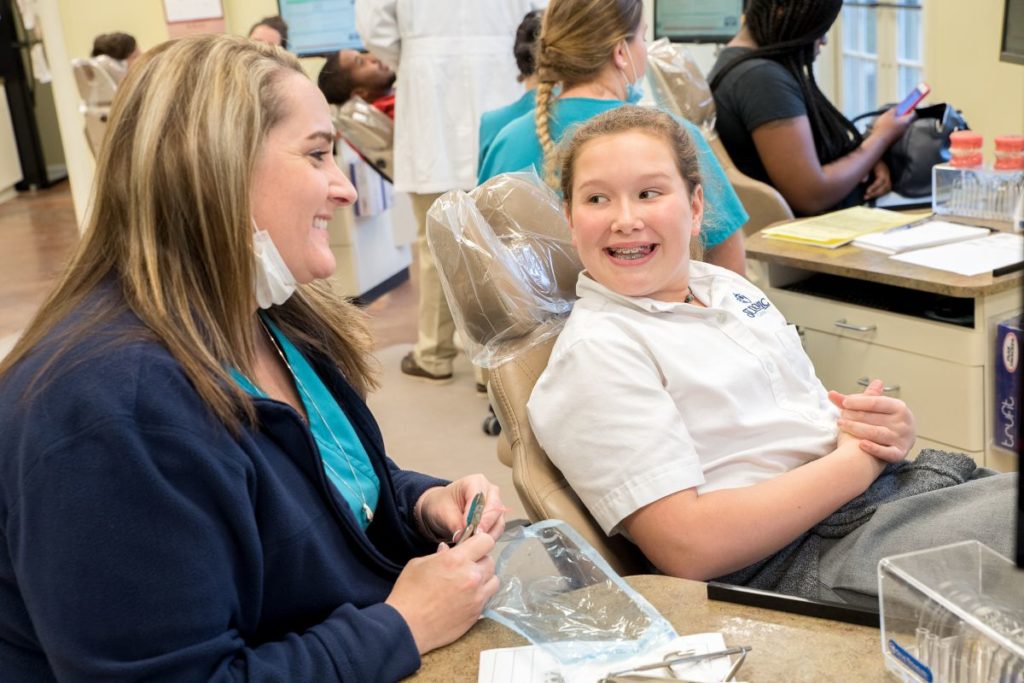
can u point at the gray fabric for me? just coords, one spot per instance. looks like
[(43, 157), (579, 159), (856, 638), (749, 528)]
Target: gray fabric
[(937, 499)]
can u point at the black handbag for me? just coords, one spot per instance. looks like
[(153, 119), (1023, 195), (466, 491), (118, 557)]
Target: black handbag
[(924, 144)]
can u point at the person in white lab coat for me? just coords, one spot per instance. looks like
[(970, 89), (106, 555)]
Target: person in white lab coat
[(454, 61)]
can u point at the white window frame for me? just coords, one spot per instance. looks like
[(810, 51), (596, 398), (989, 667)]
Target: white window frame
[(887, 60)]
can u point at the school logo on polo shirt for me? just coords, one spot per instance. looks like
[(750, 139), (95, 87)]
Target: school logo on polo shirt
[(752, 309)]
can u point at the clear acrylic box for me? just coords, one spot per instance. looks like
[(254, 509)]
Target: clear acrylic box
[(976, 192), (953, 614)]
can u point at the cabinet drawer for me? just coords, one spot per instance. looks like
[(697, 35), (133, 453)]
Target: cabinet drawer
[(947, 398), (922, 336)]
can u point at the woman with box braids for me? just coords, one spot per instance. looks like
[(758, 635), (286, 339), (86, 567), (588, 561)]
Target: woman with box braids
[(765, 92)]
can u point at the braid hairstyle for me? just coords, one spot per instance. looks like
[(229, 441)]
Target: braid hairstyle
[(786, 31), (577, 38)]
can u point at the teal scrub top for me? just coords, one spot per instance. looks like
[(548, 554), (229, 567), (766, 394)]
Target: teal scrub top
[(493, 121), (323, 410), (516, 148)]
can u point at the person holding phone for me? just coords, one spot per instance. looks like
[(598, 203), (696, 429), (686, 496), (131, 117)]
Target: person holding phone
[(779, 127)]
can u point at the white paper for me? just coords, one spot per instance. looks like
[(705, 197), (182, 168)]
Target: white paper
[(973, 257), (930, 234), (531, 664), (192, 10)]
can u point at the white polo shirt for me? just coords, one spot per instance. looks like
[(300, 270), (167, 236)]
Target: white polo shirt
[(643, 398)]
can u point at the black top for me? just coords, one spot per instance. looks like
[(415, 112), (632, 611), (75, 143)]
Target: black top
[(756, 92)]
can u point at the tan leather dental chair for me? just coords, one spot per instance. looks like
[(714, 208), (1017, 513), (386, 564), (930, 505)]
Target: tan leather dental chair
[(509, 272), (680, 87)]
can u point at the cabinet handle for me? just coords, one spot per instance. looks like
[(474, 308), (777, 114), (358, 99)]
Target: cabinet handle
[(864, 382), (856, 328)]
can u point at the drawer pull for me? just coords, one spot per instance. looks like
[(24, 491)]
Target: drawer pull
[(864, 382), (856, 328)]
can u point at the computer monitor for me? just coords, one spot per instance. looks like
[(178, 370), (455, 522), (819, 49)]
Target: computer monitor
[(697, 21), (317, 28), (1012, 48)]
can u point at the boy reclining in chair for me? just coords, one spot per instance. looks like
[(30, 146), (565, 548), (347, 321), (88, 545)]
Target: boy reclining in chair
[(683, 410), (348, 73)]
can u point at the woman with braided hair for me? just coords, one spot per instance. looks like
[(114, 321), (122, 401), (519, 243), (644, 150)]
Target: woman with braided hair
[(596, 52), (777, 125)]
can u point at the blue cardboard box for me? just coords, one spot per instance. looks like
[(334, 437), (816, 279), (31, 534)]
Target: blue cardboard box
[(1009, 335)]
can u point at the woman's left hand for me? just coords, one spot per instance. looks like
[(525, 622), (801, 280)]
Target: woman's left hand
[(441, 511), (881, 181)]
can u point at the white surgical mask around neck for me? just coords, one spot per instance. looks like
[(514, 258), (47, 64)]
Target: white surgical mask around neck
[(273, 283)]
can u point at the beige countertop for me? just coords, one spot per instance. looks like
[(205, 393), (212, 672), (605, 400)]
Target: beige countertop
[(786, 647), (863, 264)]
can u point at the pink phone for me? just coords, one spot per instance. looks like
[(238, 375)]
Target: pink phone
[(913, 98)]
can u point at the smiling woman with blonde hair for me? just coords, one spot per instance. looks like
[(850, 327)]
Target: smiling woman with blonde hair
[(191, 486)]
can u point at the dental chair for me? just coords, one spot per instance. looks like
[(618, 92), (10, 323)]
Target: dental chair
[(97, 80), (679, 87), (370, 132), (509, 270)]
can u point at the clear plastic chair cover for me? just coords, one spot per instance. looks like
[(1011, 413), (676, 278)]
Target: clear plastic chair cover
[(506, 263), (678, 85), (97, 79)]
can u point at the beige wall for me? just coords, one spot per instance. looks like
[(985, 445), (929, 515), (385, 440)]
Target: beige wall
[(962, 66), (240, 15), (83, 21)]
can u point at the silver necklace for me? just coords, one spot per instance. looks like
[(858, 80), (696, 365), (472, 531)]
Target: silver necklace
[(367, 510)]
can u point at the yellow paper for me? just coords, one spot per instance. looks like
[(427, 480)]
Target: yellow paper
[(837, 228)]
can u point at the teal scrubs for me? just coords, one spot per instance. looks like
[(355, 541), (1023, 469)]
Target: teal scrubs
[(323, 410), (516, 148), (493, 121)]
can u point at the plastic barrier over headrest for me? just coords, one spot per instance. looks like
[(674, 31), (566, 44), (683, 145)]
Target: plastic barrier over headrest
[(506, 263), (369, 130), (678, 84), (97, 80)]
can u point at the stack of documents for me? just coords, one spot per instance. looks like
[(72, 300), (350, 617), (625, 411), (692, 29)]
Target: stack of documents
[(996, 254), (918, 236), (835, 229)]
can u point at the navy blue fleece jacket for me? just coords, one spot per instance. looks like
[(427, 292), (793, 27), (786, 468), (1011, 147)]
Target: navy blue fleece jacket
[(141, 540)]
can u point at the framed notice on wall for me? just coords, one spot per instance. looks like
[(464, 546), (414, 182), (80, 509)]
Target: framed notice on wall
[(187, 17)]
